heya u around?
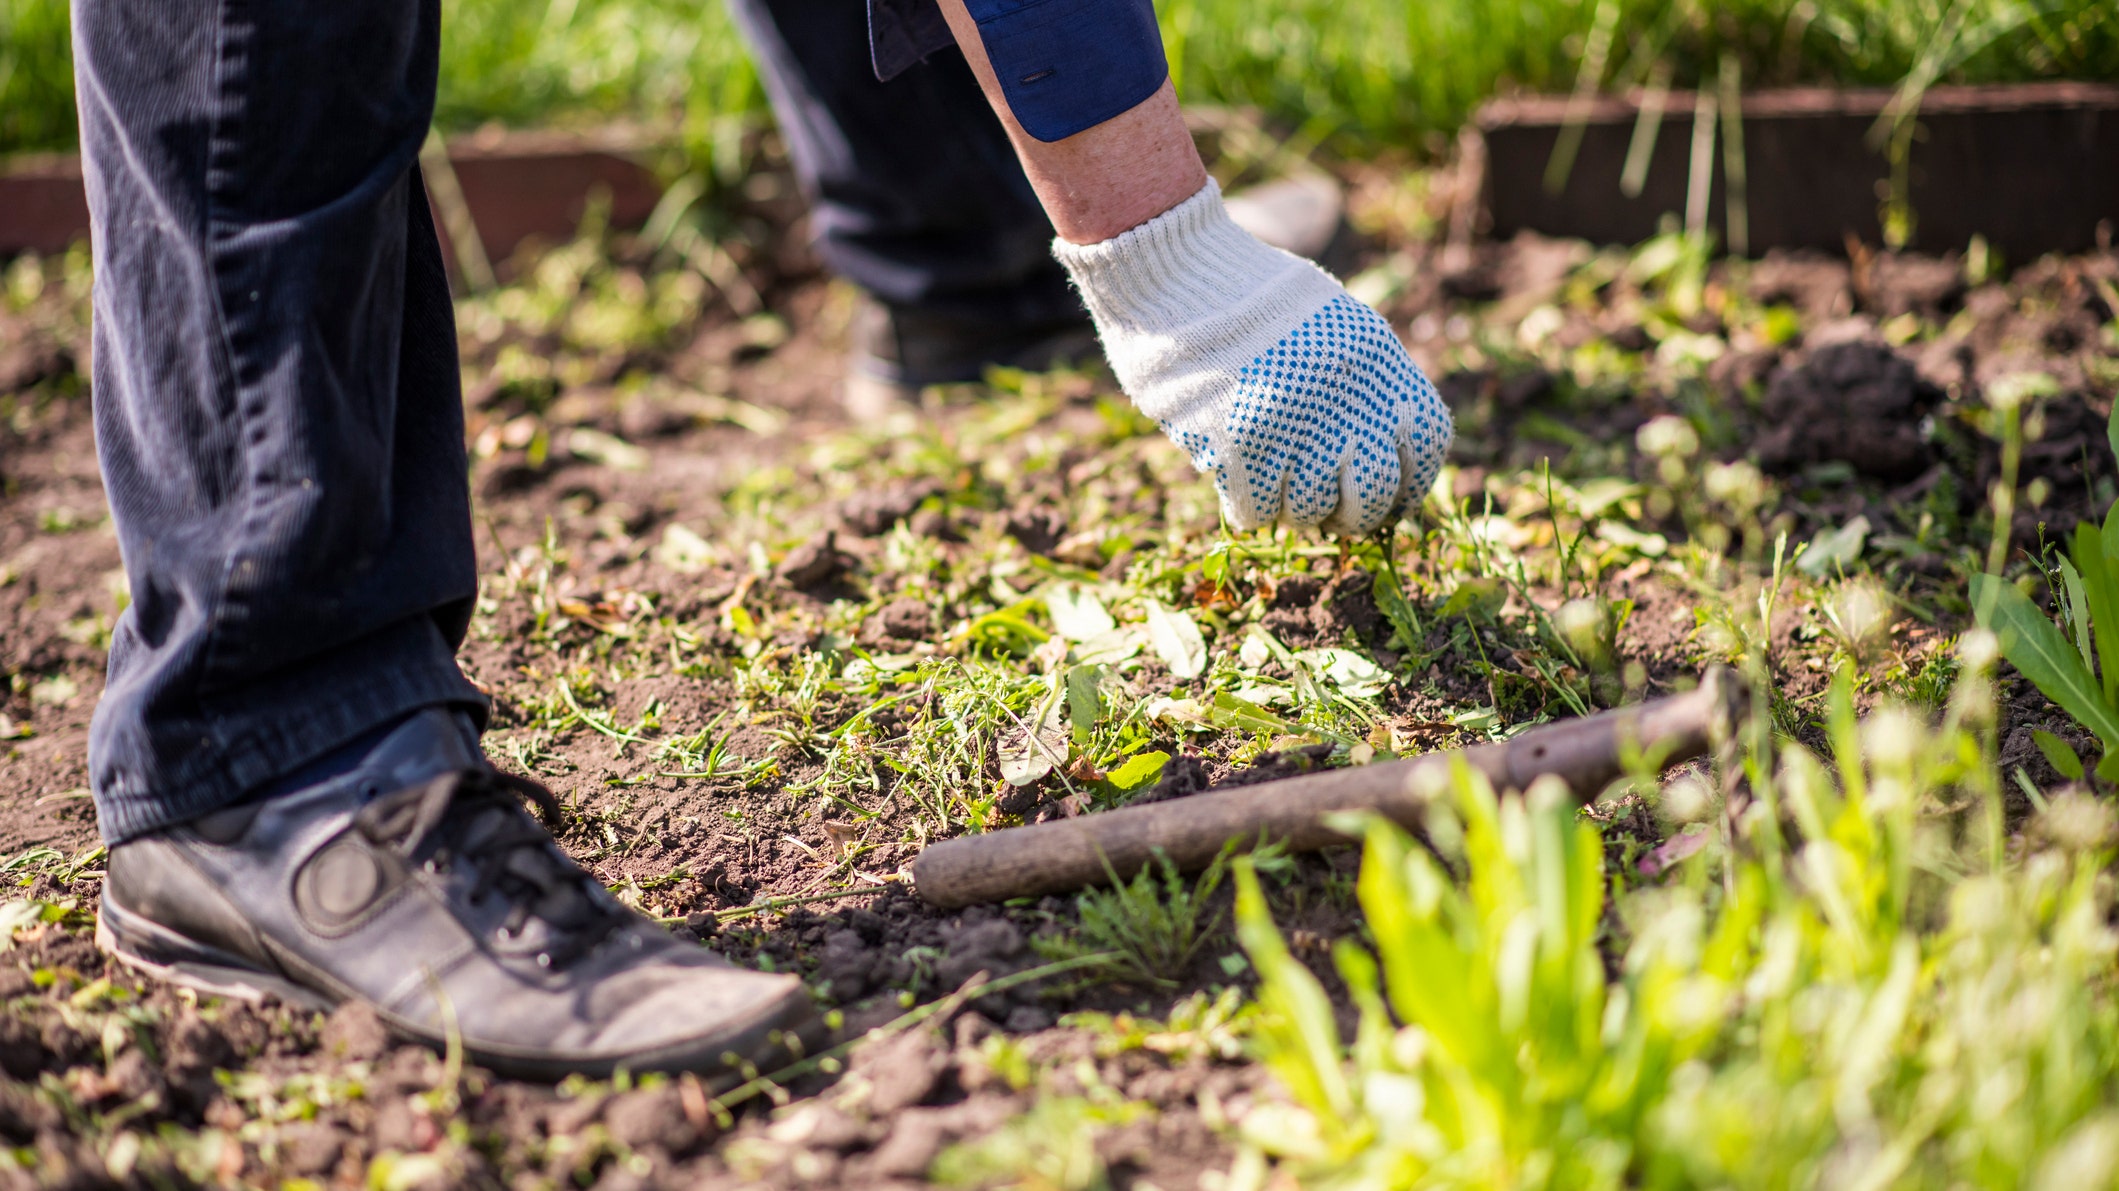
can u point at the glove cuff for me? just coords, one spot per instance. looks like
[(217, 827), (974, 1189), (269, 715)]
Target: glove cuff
[(1184, 301)]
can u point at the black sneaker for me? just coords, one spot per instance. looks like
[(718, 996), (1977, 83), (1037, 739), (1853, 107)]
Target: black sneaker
[(898, 351), (419, 884)]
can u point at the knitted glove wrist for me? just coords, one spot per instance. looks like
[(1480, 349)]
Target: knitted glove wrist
[(1297, 398)]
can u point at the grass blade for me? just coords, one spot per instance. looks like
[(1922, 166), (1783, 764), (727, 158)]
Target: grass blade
[(2078, 612)]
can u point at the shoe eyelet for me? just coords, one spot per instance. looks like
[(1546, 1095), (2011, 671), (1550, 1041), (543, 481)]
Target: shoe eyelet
[(370, 790), (544, 959)]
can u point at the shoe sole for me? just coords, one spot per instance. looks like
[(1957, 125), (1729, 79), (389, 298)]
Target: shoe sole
[(788, 1032)]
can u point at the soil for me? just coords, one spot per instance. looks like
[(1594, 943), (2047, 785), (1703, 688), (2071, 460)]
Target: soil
[(1891, 420), (899, 1102), (1860, 403)]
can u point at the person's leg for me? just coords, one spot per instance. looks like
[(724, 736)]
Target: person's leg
[(282, 439), (916, 195), (276, 392)]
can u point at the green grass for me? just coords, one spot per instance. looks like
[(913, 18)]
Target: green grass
[(1376, 72), (1362, 74)]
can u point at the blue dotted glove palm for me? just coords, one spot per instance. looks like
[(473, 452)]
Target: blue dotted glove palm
[(1298, 399)]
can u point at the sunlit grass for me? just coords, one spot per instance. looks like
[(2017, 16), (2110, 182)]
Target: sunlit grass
[(1364, 74)]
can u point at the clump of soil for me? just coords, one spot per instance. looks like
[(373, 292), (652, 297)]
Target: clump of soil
[(874, 512), (1309, 610), (1860, 403)]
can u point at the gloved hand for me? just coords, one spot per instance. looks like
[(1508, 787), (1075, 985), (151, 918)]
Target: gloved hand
[(1298, 399)]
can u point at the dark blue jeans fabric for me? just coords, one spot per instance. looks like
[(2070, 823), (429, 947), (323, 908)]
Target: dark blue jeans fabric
[(915, 194), (1064, 65), (276, 391), (276, 385)]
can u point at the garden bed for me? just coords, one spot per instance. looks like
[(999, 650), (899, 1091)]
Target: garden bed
[(763, 654)]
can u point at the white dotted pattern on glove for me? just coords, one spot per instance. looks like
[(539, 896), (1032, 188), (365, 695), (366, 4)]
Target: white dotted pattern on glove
[(1334, 425), (1299, 400)]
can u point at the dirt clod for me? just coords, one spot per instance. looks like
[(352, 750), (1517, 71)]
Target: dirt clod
[(1182, 776), (905, 620), (353, 1032), (1037, 527), (814, 563), (1860, 403), (874, 512), (901, 1071), (914, 1140), (312, 1147), (651, 1117)]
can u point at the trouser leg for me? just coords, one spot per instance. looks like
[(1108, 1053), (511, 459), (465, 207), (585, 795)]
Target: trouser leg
[(916, 194), (276, 390)]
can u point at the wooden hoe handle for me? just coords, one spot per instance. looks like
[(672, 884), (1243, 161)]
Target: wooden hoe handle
[(1067, 854)]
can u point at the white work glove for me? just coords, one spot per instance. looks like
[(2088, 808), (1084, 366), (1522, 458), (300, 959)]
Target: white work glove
[(1297, 398)]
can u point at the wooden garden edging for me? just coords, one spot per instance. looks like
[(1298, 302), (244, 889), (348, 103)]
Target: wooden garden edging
[(2033, 168), (515, 184)]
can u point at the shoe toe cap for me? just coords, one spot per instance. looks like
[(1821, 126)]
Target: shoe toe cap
[(692, 1001)]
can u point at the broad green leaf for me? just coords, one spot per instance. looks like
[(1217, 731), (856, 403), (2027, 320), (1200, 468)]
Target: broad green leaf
[(1176, 640), (1040, 743), (2036, 648), (740, 621), (1109, 649), (1232, 712), (1355, 676), (1214, 568), (1626, 537), (1263, 693), (2060, 753), (1480, 594), (2111, 431), (1479, 721), (1077, 614), (1139, 770), (1834, 550), (1084, 705)]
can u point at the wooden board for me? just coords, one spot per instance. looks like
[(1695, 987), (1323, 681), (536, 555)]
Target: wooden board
[(516, 184), (2033, 168)]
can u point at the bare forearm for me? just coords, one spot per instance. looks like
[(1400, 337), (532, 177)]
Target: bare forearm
[(1107, 179)]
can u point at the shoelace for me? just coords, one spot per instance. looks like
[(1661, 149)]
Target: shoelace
[(477, 815)]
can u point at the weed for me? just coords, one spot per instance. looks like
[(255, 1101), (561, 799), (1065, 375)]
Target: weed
[(1151, 926), (2076, 662)]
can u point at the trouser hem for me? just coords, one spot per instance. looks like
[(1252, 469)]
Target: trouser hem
[(241, 741)]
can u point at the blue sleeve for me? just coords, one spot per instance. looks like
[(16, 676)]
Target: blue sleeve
[(1064, 65)]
